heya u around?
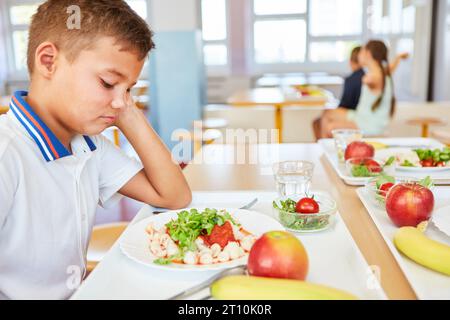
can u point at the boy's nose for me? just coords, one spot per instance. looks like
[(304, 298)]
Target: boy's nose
[(119, 102)]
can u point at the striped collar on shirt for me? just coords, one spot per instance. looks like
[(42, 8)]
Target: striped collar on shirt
[(48, 143)]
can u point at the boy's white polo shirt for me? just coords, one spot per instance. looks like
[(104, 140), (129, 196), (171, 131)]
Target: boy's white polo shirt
[(48, 200)]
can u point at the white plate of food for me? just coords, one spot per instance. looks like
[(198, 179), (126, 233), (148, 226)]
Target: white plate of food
[(423, 160), (384, 149), (421, 169), (179, 240)]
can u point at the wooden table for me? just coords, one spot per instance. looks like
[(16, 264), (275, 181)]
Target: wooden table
[(215, 173), (279, 98), (425, 123)]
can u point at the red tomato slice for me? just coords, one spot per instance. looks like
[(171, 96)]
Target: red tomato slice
[(220, 235), (427, 163)]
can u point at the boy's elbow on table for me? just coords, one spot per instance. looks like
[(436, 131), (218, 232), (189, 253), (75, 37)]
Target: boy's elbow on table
[(178, 200), (183, 200)]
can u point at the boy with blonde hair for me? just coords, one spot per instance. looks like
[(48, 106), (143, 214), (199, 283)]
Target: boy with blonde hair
[(55, 167)]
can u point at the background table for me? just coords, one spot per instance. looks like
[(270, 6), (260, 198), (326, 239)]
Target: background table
[(276, 80), (279, 98)]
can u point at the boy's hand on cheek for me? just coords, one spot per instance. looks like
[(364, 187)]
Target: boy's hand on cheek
[(128, 115)]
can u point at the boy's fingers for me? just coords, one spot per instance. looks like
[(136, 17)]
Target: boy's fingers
[(128, 99)]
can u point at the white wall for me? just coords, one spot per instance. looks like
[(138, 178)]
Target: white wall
[(442, 62), (421, 62)]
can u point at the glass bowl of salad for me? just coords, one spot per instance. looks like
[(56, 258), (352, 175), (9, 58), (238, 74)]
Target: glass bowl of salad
[(305, 212), (378, 187), (369, 167)]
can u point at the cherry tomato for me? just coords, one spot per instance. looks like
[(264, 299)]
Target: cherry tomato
[(385, 187), (427, 163), (307, 205), (440, 164), (373, 166)]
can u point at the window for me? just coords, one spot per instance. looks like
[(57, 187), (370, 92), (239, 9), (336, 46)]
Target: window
[(393, 21), (335, 17), (19, 20), (392, 17), (215, 54), (280, 41), (20, 13), (279, 31), (302, 31), (330, 51), (140, 6), (311, 32), (335, 27), (270, 7), (214, 28)]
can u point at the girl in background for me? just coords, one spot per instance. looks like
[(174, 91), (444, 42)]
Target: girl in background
[(377, 101)]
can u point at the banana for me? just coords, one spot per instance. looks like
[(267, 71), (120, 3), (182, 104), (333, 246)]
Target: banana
[(259, 288), (416, 246), (377, 145)]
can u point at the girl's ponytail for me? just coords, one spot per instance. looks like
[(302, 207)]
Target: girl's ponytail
[(379, 53)]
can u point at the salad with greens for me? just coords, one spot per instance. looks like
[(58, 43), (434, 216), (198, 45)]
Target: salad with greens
[(302, 215), (199, 237), (426, 158)]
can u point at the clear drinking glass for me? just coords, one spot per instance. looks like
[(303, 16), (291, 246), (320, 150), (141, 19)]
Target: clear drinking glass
[(342, 138), (293, 177)]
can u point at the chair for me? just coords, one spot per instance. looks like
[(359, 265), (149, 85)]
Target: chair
[(199, 138), (211, 123), (4, 104), (211, 129), (425, 123), (102, 239), (140, 94)]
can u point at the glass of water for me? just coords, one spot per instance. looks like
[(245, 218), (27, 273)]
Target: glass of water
[(293, 177), (342, 138)]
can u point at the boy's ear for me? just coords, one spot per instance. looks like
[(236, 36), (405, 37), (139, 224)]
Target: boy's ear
[(45, 59)]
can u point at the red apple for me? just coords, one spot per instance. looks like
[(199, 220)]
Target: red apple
[(408, 204), (359, 149), (278, 254)]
